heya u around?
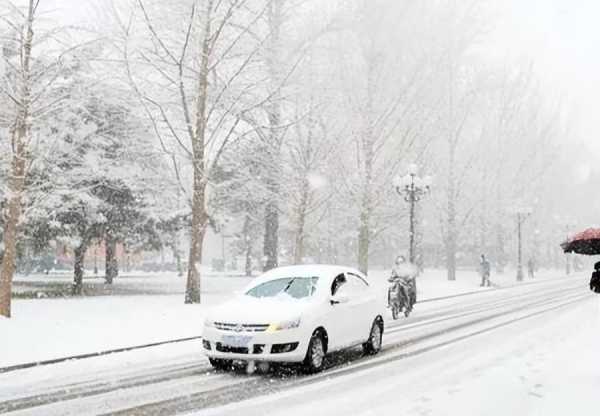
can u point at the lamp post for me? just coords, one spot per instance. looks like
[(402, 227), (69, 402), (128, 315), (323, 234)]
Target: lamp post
[(96, 259), (522, 213), (567, 223), (412, 188)]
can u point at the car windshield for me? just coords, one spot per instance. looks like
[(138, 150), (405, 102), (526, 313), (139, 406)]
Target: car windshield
[(296, 287)]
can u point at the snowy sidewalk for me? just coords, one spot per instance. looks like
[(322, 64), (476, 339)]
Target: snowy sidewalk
[(434, 283)]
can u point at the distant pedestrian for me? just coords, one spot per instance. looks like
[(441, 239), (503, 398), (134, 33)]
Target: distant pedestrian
[(595, 280), (531, 268), (419, 263), (484, 270)]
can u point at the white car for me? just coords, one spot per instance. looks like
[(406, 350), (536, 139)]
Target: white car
[(296, 314)]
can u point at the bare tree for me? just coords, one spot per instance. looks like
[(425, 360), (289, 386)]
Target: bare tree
[(309, 187), (195, 83), (459, 82), (387, 114), (275, 134)]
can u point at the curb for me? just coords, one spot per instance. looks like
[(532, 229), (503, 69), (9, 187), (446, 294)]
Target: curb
[(91, 355)]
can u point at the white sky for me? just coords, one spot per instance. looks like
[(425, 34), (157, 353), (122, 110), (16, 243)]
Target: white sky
[(560, 37)]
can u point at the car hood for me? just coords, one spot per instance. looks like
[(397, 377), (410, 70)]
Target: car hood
[(249, 310)]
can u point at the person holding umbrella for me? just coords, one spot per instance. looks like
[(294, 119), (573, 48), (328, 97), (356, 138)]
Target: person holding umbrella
[(595, 280), (586, 242)]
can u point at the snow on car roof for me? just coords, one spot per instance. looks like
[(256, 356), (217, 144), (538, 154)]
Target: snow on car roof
[(321, 270), (325, 272)]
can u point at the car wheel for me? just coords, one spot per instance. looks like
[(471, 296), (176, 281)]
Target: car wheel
[(373, 344), (315, 355), (220, 364)]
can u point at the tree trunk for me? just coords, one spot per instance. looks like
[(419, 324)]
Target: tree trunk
[(363, 244), (451, 257), (271, 239), (199, 222), (177, 254), (364, 231), (16, 181), (300, 223), (16, 187), (112, 263), (79, 253), (500, 253), (451, 228), (299, 244), (199, 214), (248, 265), (247, 246), (452, 182), (367, 145)]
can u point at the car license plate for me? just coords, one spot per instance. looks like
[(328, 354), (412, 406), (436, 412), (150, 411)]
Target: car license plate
[(236, 340)]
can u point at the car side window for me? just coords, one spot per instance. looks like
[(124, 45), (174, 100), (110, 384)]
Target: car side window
[(338, 282)]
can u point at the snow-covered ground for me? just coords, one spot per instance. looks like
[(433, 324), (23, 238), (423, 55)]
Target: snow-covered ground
[(43, 329), (551, 371), (149, 308)]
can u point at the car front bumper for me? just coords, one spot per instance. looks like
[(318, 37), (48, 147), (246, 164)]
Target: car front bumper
[(222, 347)]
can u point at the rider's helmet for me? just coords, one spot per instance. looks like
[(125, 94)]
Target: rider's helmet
[(400, 260)]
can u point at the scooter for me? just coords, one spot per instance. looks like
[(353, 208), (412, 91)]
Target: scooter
[(397, 299)]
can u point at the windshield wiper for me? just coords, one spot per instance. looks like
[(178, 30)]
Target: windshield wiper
[(288, 285)]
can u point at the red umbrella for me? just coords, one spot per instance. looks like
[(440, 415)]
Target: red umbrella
[(585, 242)]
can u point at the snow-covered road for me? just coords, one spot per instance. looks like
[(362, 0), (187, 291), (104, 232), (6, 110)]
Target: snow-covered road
[(427, 359)]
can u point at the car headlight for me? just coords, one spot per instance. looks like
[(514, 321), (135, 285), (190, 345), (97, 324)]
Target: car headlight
[(294, 323), (208, 323)]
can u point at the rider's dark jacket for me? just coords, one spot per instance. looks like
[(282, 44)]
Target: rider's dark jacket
[(595, 281)]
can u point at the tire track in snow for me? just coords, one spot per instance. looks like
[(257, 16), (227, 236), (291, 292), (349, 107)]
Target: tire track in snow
[(259, 386)]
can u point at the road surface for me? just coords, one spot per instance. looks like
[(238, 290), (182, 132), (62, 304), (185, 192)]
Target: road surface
[(440, 333)]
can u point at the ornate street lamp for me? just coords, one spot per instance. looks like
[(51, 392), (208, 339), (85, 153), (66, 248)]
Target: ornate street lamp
[(412, 188), (522, 212)]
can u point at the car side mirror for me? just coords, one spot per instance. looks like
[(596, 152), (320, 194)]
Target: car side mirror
[(337, 299)]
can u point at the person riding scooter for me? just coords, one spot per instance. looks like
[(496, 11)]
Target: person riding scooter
[(403, 275)]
